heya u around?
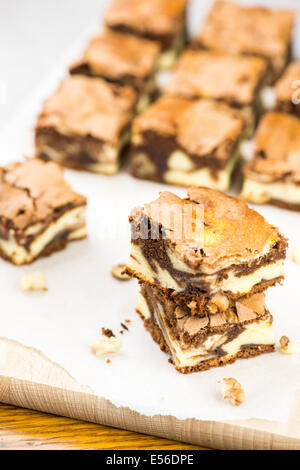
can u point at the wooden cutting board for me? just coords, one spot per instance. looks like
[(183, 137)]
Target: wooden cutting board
[(30, 380)]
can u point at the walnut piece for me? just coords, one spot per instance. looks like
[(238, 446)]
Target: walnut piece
[(107, 332), (117, 273), (232, 391), (286, 347), (106, 345), (217, 303), (33, 281), (295, 254)]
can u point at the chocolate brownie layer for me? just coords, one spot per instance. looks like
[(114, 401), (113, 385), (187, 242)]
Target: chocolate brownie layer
[(191, 329), (246, 353), (287, 107), (285, 205), (201, 303), (199, 247), (206, 346)]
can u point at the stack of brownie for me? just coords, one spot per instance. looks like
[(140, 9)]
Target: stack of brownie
[(181, 140), (203, 264), (86, 123)]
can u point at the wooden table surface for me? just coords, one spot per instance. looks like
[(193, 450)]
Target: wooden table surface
[(26, 429)]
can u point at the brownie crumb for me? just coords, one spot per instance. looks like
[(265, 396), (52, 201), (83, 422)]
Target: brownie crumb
[(107, 332), (127, 321), (124, 326)]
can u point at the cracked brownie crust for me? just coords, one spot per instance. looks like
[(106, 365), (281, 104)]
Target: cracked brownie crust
[(161, 20), (198, 72), (86, 124), (168, 145), (249, 30), (39, 212), (133, 64)]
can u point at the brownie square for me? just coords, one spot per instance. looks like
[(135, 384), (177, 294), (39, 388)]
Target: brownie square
[(247, 30), (287, 90), (198, 72), (184, 142), (203, 263), (126, 60), (39, 212), (204, 251), (85, 124), (273, 174), (161, 20)]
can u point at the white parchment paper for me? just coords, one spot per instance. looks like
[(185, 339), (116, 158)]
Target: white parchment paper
[(83, 297)]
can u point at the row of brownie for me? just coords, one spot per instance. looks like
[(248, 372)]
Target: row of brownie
[(87, 122), (189, 136), (198, 142)]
